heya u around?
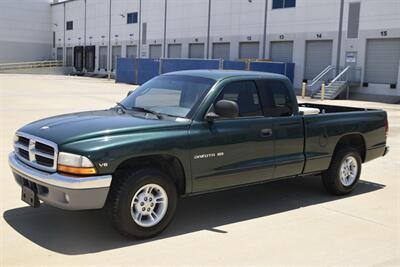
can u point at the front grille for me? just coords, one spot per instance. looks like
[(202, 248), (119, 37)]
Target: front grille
[(44, 161), (23, 140), (36, 152), (23, 153), (44, 148)]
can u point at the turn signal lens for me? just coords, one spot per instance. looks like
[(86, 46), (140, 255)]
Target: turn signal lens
[(76, 170)]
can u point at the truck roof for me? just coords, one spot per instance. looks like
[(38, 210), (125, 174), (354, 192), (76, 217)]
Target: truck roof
[(222, 74)]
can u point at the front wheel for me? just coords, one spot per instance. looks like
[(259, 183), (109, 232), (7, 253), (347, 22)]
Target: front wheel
[(142, 203), (344, 172)]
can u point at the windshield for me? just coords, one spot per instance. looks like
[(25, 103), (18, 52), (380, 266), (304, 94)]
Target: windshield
[(173, 95)]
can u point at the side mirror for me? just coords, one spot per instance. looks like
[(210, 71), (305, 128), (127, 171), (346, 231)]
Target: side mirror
[(224, 109), (129, 93)]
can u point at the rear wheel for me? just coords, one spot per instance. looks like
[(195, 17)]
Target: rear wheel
[(142, 203), (344, 172)]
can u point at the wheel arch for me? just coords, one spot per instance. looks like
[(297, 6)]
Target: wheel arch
[(165, 163), (355, 140)]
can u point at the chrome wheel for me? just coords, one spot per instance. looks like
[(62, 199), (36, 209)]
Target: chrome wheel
[(348, 171), (149, 205)]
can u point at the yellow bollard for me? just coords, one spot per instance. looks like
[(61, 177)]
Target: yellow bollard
[(303, 90), (323, 91)]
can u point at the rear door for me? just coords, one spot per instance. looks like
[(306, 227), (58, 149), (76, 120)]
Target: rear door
[(287, 127), (229, 152)]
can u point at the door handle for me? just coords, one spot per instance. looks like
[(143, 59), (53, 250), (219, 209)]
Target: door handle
[(266, 132)]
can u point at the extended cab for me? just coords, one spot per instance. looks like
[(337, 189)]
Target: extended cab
[(186, 133)]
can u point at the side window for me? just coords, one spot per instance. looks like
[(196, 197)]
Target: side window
[(275, 99), (245, 94)]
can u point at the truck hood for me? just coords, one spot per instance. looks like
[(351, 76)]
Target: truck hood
[(91, 124)]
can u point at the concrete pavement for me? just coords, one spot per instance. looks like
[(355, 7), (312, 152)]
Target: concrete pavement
[(292, 222)]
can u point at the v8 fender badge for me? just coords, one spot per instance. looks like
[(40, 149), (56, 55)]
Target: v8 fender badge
[(103, 165), (209, 155)]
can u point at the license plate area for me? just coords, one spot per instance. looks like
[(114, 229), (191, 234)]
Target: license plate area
[(30, 197)]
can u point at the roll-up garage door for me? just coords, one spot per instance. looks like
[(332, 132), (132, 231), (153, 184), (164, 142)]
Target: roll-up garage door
[(131, 51), (59, 53), (196, 50), (116, 53), (221, 50), (174, 50), (318, 57), (69, 56), (155, 51), (382, 61), (282, 51), (249, 50)]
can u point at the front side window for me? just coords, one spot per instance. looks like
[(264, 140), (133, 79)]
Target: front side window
[(244, 93), (174, 95), (275, 98)]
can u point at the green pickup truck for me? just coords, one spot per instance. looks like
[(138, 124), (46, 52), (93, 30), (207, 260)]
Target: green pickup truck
[(186, 133)]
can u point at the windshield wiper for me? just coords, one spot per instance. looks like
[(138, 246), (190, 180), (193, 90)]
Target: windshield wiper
[(122, 106), (146, 110)]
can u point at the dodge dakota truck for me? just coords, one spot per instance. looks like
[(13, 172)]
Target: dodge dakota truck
[(186, 133)]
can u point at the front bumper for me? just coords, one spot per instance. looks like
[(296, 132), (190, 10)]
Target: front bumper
[(63, 191)]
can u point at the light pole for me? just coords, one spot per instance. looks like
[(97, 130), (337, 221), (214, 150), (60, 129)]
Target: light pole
[(109, 43)]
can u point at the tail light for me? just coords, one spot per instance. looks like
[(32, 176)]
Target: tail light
[(386, 127)]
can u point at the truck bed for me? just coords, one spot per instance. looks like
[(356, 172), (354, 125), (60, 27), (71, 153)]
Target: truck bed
[(324, 130), (333, 109)]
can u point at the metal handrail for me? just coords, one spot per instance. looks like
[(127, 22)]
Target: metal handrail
[(339, 76), (317, 81), (321, 74)]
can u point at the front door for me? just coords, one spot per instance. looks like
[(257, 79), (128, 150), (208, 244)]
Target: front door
[(229, 152)]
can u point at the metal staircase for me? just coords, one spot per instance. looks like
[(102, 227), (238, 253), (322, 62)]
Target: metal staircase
[(333, 90), (335, 86)]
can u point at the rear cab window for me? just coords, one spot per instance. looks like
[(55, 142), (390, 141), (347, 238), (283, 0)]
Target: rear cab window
[(275, 98)]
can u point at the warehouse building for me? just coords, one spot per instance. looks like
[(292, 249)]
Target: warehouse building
[(25, 30), (364, 34)]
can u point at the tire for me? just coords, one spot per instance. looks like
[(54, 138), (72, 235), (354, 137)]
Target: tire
[(341, 183), (125, 211)]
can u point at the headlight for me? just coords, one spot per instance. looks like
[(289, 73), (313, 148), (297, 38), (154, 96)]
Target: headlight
[(75, 164)]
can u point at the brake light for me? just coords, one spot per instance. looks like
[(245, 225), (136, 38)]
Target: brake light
[(386, 127)]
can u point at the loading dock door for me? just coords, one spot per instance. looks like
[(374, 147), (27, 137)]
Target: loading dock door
[(221, 50), (155, 51), (116, 53), (382, 61), (318, 57), (68, 56), (249, 50), (131, 51), (282, 51), (103, 57), (59, 53), (196, 50), (174, 50), (78, 58), (90, 52)]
